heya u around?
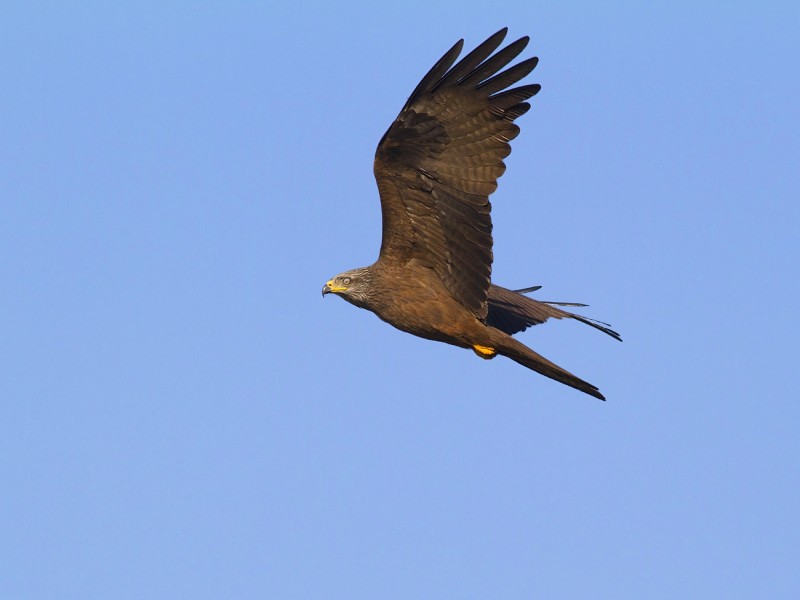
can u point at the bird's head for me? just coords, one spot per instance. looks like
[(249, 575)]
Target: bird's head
[(353, 286)]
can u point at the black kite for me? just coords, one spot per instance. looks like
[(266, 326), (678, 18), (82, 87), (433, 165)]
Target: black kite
[(436, 167)]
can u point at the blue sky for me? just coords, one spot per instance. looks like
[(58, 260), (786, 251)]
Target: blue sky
[(182, 415)]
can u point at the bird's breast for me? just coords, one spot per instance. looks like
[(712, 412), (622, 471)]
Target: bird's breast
[(418, 303)]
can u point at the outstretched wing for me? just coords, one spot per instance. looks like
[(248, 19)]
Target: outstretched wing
[(440, 160)]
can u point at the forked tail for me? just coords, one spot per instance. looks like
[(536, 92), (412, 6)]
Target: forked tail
[(520, 353)]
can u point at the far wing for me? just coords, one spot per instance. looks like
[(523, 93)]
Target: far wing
[(512, 312), (440, 160)]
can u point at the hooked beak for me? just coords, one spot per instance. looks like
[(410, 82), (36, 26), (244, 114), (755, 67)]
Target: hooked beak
[(332, 288)]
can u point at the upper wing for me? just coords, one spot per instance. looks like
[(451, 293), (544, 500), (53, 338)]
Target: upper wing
[(440, 160)]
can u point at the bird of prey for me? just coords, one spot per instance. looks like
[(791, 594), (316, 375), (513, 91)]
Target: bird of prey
[(435, 167)]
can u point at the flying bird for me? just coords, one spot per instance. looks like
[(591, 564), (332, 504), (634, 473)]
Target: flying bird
[(436, 167)]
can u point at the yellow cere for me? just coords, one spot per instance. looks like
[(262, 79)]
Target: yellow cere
[(335, 288)]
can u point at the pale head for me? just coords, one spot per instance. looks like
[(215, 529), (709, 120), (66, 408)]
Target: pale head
[(353, 286)]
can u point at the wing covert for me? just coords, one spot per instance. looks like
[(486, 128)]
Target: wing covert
[(440, 160)]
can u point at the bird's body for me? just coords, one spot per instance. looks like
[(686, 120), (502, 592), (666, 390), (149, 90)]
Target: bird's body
[(428, 309), (436, 167)]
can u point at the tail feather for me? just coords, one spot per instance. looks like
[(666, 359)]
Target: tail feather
[(520, 353)]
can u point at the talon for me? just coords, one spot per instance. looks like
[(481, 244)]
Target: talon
[(484, 352)]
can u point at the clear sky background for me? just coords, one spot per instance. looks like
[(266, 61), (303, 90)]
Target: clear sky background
[(183, 416)]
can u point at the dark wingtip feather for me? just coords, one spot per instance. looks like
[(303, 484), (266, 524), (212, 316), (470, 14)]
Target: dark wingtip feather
[(526, 290), (436, 72), (494, 64), (599, 325), (551, 303), (472, 60), (509, 77)]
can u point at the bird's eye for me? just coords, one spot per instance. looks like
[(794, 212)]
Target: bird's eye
[(346, 281)]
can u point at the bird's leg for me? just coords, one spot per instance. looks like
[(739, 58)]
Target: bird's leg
[(484, 351)]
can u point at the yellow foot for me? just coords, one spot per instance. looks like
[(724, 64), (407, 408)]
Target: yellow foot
[(484, 351)]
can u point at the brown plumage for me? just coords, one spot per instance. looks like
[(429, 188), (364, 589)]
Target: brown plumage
[(436, 167)]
